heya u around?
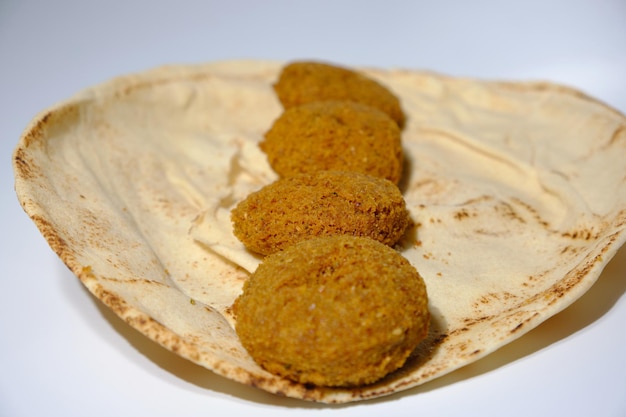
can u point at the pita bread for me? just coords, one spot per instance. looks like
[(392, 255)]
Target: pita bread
[(518, 191)]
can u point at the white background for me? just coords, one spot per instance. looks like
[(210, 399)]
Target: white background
[(63, 354)]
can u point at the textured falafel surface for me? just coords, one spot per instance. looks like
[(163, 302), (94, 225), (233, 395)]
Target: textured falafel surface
[(320, 204), (333, 311), (306, 81), (335, 135)]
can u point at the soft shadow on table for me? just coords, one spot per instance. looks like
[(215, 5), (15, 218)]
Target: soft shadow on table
[(611, 285)]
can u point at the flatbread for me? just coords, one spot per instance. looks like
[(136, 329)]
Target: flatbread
[(518, 192)]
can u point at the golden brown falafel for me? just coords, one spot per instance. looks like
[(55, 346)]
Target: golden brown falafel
[(322, 203), (334, 135), (333, 311), (304, 81)]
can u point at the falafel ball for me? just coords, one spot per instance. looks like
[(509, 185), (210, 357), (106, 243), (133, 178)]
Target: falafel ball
[(322, 203), (306, 81), (333, 311), (334, 135)]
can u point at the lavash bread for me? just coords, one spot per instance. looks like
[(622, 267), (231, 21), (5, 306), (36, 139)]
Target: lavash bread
[(518, 189)]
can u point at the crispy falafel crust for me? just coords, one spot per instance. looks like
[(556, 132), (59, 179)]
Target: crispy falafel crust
[(333, 311), (320, 204), (307, 81), (334, 135)]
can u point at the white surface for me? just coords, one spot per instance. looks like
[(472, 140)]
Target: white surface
[(62, 353)]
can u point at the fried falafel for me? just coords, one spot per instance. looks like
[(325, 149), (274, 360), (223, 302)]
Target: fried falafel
[(333, 311), (306, 81), (334, 135), (317, 204)]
